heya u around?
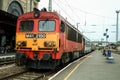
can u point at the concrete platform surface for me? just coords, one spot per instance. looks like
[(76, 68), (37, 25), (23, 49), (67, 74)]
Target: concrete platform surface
[(93, 67)]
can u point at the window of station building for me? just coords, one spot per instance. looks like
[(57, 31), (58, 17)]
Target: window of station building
[(15, 8), (47, 25), (62, 27), (26, 26)]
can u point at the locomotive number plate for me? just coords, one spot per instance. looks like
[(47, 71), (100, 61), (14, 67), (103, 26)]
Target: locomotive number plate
[(35, 35)]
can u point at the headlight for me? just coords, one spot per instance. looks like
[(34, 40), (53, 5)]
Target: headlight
[(21, 43), (49, 43)]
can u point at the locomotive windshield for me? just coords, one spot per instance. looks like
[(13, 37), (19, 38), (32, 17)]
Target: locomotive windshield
[(26, 26), (47, 25)]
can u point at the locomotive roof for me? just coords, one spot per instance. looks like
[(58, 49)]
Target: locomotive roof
[(65, 20), (45, 14)]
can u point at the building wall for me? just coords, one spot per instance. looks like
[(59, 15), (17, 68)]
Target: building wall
[(26, 5), (1, 1)]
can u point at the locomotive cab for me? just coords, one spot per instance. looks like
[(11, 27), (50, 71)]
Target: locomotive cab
[(37, 37)]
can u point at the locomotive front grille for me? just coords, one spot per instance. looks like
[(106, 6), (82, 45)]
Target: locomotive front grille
[(25, 48), (45, 48)]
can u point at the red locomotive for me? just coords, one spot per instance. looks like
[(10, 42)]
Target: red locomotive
[(45, 40)]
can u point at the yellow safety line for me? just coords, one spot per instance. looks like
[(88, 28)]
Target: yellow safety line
[(75, 68)]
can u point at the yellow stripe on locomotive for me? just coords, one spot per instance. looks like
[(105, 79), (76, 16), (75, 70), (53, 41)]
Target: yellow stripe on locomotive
[(37, 41)]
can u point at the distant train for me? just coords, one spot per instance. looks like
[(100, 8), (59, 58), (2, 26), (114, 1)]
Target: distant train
[(88, 45), (45, 40)]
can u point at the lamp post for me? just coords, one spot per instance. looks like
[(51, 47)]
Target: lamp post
[(117, 25), (77, 33), (77, 25), (50, 6), (102, 41)]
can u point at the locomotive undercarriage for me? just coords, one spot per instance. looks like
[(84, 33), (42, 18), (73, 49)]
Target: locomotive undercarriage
[(71, 56), (47, 62), (42, 64)]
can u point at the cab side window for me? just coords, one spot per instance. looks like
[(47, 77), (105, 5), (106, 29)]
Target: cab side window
[(62, 27)]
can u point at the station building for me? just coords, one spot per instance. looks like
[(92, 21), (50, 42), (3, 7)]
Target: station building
[(18, 7), (10, 10)]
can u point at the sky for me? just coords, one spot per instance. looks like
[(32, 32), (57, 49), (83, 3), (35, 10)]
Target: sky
[(92, 16)]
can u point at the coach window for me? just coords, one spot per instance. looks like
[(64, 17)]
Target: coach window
[(47, 25), (26, 26), (71, 34), (62, 27), (79, 38)]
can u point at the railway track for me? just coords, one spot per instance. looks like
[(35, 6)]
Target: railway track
[(26, 75), (6, 63), (32, 75)]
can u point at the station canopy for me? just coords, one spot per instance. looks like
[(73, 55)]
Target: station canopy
[(7, 18)]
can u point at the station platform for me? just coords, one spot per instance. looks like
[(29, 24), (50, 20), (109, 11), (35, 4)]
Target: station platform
[(94, 66), (7, 57)]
